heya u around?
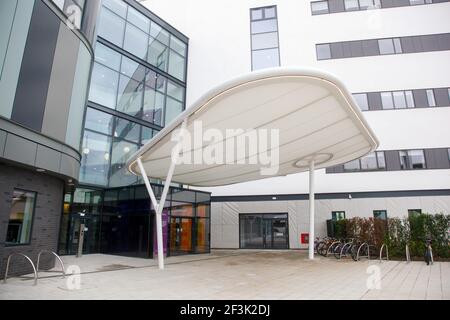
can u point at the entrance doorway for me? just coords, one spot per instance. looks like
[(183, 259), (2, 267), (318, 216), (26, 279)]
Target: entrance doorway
[(181, 235), (264, 231)]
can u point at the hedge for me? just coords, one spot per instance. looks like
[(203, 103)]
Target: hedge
[(396, 233)]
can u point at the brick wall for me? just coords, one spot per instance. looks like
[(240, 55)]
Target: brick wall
[(46, 219)]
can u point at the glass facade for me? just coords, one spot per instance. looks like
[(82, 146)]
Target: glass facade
[(264, 231), (120, 221), (137, 87), (129, 29)]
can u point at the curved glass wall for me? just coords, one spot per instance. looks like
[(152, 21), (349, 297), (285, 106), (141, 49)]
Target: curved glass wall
[(108, 142), (132, 31), (124, 85)]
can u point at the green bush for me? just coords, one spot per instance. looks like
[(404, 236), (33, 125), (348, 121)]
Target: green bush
[(396, 233)]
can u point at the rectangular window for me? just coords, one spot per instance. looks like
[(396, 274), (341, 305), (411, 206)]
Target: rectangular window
[(323, 51), (380, 214), (352, 166), (409, 99), (369, 162), (430, 97), (351, 5), (361, 101), (337, 215), (414, 212), (399, 99), (21, 217), (397, 45), (319, 7), (264, 38), (381, 160), (386, 100), (412, 159), (386, 46)]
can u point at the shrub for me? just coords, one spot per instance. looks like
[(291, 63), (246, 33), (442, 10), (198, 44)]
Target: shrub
[(396, 233)]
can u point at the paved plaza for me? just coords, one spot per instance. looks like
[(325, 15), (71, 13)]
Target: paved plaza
[(239, 274)]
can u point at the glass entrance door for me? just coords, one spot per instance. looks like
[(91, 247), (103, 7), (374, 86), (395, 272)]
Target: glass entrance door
[(180, 235), (264, 231)]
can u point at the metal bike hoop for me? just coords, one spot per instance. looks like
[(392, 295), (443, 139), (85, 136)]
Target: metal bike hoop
[(28, 259), (408, 256), (343, 248), (57, 257), (381, 252), (359, 249), (331, 246)]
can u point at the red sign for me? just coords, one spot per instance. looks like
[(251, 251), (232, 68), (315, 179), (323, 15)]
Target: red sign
[(304, 238)]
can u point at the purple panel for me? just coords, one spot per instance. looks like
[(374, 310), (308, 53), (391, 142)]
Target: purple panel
[(165, 227)]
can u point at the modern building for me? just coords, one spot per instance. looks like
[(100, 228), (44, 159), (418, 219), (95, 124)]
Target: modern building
[(45, 63), (138, 86), (85, 84), (392, 54), (64, 138)]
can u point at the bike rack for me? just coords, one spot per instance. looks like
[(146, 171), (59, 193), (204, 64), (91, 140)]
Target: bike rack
[(331, 246), (29, 260), (408, 256), (381, 252), (57, 257), (359, 249), (348, 244)]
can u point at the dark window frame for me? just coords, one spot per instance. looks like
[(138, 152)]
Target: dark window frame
[(377, 3), (257, 33), (378, 212), (29, 242)]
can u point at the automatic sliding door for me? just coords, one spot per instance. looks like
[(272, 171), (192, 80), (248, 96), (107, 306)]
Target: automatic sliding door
[(264, 231)]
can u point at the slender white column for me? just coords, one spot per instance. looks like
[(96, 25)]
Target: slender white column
[(159, 237), (311, 210), (159, 207)]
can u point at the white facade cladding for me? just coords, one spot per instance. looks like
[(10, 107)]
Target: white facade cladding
[(220, 49)]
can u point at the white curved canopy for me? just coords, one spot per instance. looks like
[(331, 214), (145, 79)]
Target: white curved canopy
[(316, 116)]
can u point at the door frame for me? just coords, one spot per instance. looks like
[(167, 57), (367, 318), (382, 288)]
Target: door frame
[(263, 214)]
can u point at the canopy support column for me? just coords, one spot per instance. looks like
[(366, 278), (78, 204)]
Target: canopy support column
[(311, 209), (160, 206)]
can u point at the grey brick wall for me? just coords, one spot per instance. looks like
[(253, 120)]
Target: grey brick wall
[(46, 219)]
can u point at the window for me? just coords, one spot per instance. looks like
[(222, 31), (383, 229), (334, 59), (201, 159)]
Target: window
[(386, 46), (414, 212), (352, 166), (264, 38), (430, 97), (381, 160), (104, 85), (412, 159), (323, 51), (132, 31), (111, 27), (380, 214), (399, 99), (319, 7), (337, 215), (369, 4), (361, 101), (20, 217), (351, 5), (369, 162), (409, 99), (397, 45), (386, 100)]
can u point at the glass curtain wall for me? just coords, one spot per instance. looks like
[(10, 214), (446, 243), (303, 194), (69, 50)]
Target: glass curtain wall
[(137, 87), (121, 221)]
